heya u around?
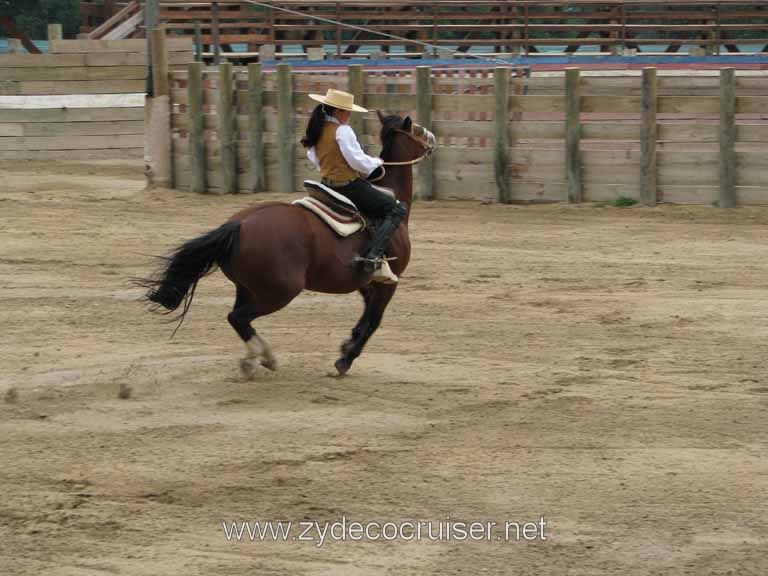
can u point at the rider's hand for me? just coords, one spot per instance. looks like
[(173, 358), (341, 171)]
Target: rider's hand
[(377, 173)]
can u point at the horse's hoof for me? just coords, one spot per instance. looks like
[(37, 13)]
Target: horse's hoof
[(342, 366), (269, 363), (247, 368)]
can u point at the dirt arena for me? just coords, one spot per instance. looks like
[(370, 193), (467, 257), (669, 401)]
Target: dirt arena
[(602, 367)]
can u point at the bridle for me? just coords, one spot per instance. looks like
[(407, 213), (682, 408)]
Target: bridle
[(426, 145)]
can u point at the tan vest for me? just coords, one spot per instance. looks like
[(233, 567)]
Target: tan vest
[(333, 165)]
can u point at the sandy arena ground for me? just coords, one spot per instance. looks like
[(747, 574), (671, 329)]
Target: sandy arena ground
[(599, 366)]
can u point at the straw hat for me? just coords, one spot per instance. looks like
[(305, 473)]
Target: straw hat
[(338, 99)]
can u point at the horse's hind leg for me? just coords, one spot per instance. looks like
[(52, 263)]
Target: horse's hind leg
[(259, 352), (376, 297)]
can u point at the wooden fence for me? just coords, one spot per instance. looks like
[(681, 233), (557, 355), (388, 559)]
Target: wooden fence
[(82, 71), (501, 135)]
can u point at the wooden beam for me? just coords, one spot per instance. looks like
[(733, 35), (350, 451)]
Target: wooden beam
[(573, 135), (285, 127), (648, 138), (196, 127), (727, 138), (256, 128), (424, 117), (159, 63), (55, 32), (501, 134), (227, 131)]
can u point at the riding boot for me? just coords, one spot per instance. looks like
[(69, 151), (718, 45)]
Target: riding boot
[(383, 234)]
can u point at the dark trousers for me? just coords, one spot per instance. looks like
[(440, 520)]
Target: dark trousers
[(368, 199)]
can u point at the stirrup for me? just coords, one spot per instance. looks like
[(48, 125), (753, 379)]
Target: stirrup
[(373, 264), (384, 274)]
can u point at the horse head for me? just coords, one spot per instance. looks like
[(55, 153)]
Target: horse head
[(404, 141)]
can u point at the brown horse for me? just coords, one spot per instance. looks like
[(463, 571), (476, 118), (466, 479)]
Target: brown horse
[(273, 250)]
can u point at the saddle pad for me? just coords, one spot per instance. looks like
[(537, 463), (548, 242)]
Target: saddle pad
[(343, 224), (329, 195)]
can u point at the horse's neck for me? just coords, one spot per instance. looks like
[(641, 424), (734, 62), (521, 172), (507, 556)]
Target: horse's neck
[(400, 179)]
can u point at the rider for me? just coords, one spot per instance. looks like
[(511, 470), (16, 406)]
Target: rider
[(333, 148)]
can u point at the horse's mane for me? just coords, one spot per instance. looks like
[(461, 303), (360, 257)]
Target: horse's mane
[(388, 125)]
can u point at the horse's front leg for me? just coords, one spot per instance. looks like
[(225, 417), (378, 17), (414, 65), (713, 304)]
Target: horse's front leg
[(361, 325), (376, 297)]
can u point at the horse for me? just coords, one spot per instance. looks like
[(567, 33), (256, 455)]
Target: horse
[(272, 251)]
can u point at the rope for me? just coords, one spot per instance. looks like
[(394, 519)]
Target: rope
[(368, 30)]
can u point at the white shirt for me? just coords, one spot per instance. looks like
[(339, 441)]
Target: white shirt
[(350, 148)]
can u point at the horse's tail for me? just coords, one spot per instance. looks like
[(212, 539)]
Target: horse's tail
[(176, 282)]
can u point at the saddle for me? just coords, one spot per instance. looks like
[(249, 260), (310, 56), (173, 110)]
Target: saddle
[(337, 211)]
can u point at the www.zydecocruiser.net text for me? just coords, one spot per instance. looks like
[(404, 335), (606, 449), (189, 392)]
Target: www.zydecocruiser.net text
[(344, 530)]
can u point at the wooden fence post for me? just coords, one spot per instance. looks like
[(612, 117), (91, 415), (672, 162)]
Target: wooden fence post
[(355, 85), (55, 32), (727, 138), (256, 128), (285, 128), (227, 131), (648, 137), (159, 62), (158, 141), (424, 117), (501, 134), (573, 134), (196, 127)]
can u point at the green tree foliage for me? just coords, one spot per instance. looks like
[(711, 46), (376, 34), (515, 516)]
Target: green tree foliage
[(33, 16)]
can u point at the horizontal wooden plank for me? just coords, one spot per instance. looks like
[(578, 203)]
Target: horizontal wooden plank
[(460, 129), (688, 168), (752, 132), (464, 103), (687, 194), (38, 60), (75, 73), (71, 114), (390, 102), (752, 105), (82, 128), (752, 195), (460, 155), (131, 45), (610, 131), (15, 129), (53, 87), (84, 155), (708, 105), (751, 169), (631, 85), (68, 143), (610, 104), (624, 174), (539, 103), (532, 191), (688, 132), (452, 189)]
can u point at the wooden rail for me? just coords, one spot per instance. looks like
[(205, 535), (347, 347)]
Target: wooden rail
[(72, 69)]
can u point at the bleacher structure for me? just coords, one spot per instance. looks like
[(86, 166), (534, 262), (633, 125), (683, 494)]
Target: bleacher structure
[(498, 27)]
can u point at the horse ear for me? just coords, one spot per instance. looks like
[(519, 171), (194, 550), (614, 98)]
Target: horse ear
[(381, 116), (407, 123)]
